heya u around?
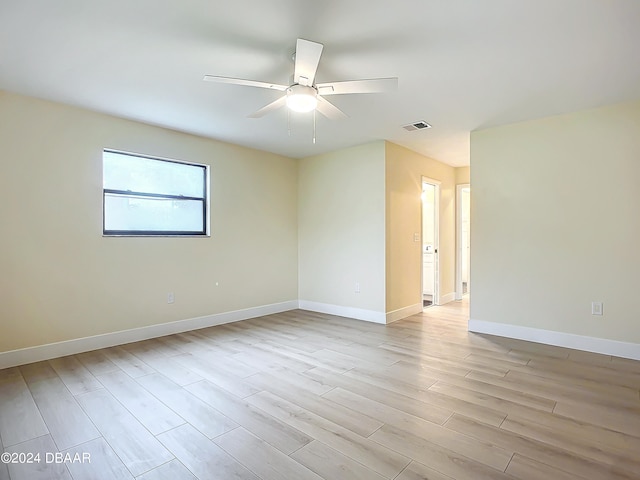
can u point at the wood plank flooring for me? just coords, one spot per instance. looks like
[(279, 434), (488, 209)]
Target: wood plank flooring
[(302, 395)]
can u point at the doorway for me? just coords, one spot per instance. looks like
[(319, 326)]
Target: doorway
[(430, 242), (463, 241)]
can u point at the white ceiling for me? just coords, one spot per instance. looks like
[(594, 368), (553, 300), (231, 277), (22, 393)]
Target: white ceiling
[(462, 64)]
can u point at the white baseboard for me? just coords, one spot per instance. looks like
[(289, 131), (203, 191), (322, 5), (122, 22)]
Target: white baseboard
[(559, 339), (79, 345), (350, 312), (449, 297), (404, 312)]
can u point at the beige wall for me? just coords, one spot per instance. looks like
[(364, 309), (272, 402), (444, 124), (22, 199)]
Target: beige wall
[(62, 280), (463, 175), (281, 229), (428, 214), (555, 223), (404, 172), (342, 227)]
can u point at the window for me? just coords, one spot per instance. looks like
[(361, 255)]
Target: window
[(152, 196)]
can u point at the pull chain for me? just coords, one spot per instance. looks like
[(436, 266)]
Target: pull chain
[(314, 127), (289, 122)]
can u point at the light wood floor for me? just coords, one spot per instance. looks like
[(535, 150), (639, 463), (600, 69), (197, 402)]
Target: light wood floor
[(300, 395)]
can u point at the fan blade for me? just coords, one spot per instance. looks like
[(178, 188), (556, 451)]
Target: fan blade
[(307, 59), (372, 85), (329, 110), (246, 83), (269, 108)]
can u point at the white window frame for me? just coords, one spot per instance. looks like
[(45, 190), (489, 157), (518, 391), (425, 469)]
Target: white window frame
[(162, 233)]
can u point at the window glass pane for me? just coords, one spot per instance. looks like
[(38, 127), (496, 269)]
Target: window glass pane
[(123, 212), (139, 174)]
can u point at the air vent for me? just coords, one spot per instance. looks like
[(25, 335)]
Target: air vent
[(421, 125)]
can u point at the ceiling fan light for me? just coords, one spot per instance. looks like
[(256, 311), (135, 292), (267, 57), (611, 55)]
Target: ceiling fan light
[(301, 98)]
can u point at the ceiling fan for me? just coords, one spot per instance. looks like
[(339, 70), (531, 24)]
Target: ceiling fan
[(304, 95)]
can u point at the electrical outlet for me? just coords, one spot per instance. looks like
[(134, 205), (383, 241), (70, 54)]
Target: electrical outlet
[(596, 308), (416, 237), (171, 298), (357, 287)]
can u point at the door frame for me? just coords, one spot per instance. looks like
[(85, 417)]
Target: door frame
[(459, 189), (436, 239)]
